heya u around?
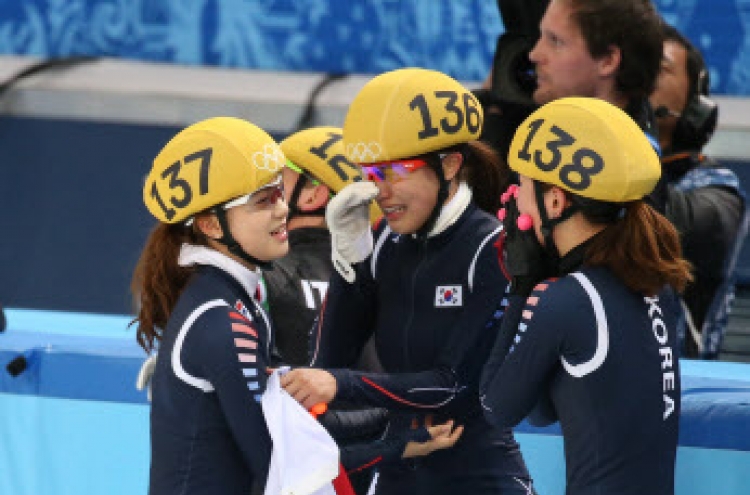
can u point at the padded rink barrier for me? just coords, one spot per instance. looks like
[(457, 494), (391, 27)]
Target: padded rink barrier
[(72, 422)]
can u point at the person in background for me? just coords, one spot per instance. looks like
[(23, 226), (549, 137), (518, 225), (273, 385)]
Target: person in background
[(423, 284), (595, 346), (316, 169), (296, 286), (606, 49), (703, 199)]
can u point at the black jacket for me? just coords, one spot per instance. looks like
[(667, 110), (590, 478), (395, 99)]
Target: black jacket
[(705, 203), (296, 287)]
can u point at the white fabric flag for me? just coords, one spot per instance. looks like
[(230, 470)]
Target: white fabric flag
[(305, 459)]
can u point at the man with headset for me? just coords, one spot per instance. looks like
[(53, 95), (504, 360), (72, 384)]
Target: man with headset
[(701, 198)]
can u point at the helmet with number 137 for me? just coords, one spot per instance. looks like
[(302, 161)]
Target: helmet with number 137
[(213, 166)]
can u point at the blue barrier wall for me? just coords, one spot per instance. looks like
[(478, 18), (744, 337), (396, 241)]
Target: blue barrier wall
[(348, 36), (75, 221)]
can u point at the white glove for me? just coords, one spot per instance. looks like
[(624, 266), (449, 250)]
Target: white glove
[(348, 218), (145, 374)]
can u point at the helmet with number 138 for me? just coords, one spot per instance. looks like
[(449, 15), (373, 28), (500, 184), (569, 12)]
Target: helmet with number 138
[(586, 169)]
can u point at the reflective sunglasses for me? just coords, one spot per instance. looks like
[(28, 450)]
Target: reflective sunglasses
[(271, 194), (391, 172)]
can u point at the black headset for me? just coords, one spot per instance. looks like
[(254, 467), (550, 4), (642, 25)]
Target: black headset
[(697, 122)]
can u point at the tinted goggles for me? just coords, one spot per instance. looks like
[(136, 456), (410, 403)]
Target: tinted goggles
[(267, 195), (391, 172)]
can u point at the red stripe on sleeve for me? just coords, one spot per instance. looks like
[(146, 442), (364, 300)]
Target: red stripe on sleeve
[(392, 395), (237, 316), (242, 328), (246, 343), (365, 466)]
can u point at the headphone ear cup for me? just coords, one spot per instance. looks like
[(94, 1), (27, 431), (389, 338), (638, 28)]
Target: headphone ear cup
[(696, 124)]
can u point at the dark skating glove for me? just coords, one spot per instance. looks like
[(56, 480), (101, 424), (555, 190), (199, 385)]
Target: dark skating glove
[(522, 258)]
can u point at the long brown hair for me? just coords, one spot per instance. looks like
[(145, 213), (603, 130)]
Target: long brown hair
[(642, 249), (486, 173), (158, 280)]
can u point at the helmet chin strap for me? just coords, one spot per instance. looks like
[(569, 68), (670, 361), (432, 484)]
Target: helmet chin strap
[(233, 245), (442, 195), (548, 224)]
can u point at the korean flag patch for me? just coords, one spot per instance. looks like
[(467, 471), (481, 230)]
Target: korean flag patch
[(448, 296)]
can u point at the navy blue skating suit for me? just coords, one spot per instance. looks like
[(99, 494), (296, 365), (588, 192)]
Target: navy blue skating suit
[(208, 434), (603, 360), (427, 302)]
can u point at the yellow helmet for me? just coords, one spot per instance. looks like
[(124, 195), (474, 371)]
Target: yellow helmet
[(210, 163), (319, 152), (588, 147), (409, 112)]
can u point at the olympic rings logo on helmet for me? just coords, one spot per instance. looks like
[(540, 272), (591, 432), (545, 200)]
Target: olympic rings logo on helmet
[(270, 158), (588, 147), (364, 152)]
